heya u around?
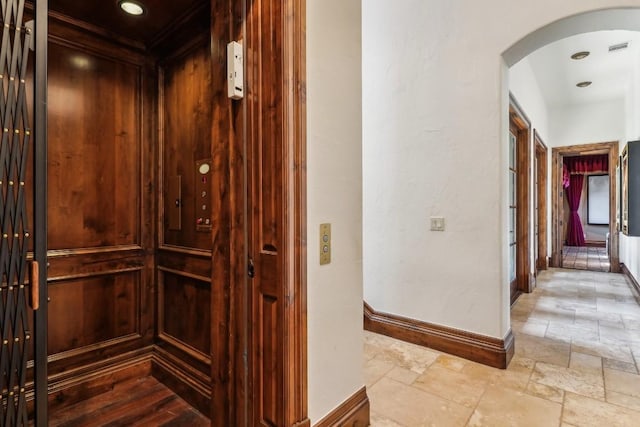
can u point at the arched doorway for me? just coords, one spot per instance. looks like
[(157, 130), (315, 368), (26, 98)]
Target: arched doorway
[(588, 22)]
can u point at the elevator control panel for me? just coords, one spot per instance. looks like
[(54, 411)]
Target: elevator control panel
[(203, 195)]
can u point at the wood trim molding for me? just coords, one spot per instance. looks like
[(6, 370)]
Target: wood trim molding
[(283, 92), (295, 279), (541, 154), (183, 379), (633, 280), (478, 348), (520, 125), (352, 412)]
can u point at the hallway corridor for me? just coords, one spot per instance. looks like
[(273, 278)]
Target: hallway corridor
[(575, 364)]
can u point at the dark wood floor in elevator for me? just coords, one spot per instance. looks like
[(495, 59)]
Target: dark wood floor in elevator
[(136, 402)]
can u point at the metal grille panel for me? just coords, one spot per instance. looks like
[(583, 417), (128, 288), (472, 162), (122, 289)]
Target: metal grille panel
[(14, 151)]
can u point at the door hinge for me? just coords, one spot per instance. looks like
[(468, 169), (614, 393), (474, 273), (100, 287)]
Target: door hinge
[(251, 270)]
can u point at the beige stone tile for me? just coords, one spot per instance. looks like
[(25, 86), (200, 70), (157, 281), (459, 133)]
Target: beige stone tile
[(623, 400), (610, 351), (557, 315), (619, 366), (458, 387), (520, 313), (451, 362), (546, 392), (378, 420), (537, 328), (611, 305), (409, 406), (595, 315), (619, 324), (403, 375), (516, 376), (369, 351), (374, 369), (622, 382), (585, 361), (631, 323), (376, 342), (503, 407), (521, 364), (617, 335), (568, 333), (585, 412), (406, 355), (586, 383), (543, 350)]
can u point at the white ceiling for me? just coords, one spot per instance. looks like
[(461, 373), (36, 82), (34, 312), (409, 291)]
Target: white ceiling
[(557, 73)]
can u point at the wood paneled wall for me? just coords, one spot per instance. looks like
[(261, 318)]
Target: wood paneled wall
[(185, 279), (100, 203)]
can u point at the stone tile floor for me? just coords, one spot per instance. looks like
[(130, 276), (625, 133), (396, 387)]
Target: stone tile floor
[(575, 364)]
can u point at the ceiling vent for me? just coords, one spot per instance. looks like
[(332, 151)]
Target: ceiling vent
[(619, 46)]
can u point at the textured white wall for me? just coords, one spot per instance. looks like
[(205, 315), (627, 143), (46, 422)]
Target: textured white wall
[(524, 86), (526, 90), (334, 195), (435, 99), (630, 246), (584, 124)]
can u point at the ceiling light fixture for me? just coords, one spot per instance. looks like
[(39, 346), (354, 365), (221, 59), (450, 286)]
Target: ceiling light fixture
[(131, 7), (580, 55), (584, 84)]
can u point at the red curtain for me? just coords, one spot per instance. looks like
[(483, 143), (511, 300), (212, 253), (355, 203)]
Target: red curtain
[(575, 234), (587, 164)]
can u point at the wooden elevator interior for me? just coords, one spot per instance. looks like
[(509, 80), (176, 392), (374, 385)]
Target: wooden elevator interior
[(162, 195), (136, 106)]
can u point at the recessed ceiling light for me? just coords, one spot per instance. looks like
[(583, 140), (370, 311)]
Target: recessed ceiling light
[(131, 7), (580, 55), (584, 84)]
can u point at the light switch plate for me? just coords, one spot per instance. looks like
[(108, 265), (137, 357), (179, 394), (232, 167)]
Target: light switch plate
[(437, 223), (325, 244)]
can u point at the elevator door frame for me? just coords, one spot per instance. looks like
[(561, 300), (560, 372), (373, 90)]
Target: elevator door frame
[(242, 391)]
